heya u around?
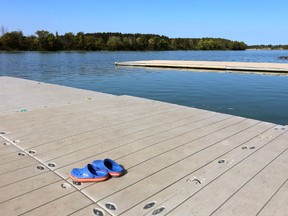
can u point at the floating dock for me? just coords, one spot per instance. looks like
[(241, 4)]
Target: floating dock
[(211, 65), (179, 160)]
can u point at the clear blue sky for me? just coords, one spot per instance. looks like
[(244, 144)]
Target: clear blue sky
[(251, 21)]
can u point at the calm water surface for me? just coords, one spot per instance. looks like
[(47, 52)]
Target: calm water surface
[(263, 97)]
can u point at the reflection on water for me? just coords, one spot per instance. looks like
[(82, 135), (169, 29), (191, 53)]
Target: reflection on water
[(263, 97)]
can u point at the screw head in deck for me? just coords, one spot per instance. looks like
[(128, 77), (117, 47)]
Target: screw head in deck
[(149, 205), (110, 206)]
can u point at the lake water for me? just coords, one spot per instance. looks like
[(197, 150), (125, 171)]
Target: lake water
[(263, 97)]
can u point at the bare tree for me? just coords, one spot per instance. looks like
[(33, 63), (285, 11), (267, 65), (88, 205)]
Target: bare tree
[(3, 30)]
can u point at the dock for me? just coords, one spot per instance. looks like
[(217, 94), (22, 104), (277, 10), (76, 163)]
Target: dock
[(249, 67), (178, 160)]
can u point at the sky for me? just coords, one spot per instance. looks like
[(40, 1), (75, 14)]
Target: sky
[(251, 21)]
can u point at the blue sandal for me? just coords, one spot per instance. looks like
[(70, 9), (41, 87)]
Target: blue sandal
[(109, 165), (88, 174)]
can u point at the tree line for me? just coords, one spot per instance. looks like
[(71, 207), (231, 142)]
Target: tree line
[(47, 41), (269, 47)]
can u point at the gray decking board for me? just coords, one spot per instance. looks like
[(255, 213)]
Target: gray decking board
[(174, 169), (211, 65), (183, 189), (234, 181), (6, 148), (65, 205), (89, 211), (261, 188), (23, 186), (277, 205), (125, 134), (129, 149), (34, 199), (52, 116), (100, 134), (163, 147), (17, 165), (50, 135)]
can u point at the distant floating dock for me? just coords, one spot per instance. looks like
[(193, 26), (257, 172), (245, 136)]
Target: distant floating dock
[(211, 65), (179, 160)]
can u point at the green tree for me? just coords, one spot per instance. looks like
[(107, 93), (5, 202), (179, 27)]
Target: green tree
[(32, 43), (129, 43), (43, 43), (114, 43), (99, 44), (163, 44), (153, 43), (80, 43), (13, 41), (68, 41), (51, 42), (236, 45), (47, 41), (141, 43), (90, 43), (58, 44)]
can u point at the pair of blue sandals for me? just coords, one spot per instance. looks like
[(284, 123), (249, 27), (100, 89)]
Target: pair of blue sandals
[(99, 170)]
